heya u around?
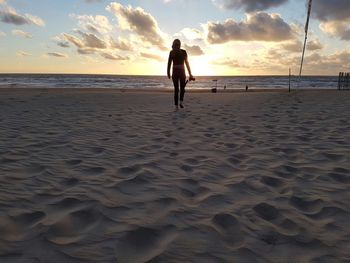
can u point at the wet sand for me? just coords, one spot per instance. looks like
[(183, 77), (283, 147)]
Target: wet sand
[(111, 176)]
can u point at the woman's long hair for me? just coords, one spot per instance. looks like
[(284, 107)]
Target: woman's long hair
[(176, 44)]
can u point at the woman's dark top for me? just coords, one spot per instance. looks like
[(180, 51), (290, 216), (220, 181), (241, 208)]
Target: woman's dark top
[(178, 57)]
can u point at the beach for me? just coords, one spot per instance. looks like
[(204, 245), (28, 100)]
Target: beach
[(101, 175)]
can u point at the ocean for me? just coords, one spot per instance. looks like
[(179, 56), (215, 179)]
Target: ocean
[(162, 82)]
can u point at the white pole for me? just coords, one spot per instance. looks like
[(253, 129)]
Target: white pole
[(305, 41)]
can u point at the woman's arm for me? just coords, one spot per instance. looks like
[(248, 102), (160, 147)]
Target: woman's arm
[(169, 65), (188, 67), (187, 63)]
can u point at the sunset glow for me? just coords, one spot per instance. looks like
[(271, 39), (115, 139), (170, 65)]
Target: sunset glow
[(222, 37)]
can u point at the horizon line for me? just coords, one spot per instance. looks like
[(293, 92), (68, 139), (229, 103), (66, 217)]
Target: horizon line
[(161, 75)]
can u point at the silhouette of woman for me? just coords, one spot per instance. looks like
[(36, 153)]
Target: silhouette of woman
[(179, 57)]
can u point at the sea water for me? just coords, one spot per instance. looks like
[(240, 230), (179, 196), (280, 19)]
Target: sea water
[(162, 82)]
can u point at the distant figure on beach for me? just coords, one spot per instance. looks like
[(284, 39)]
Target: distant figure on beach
[(178, 57)]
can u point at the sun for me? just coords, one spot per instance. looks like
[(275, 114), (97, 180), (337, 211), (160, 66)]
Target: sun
[(200, 66)]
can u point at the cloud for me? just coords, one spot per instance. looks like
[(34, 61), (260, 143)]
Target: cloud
[(96, 24), (138, 21), (21, 53), (278, 60), (249, 5), (86, 51), (192, 33), (194, 50), (57, 55), (228, 62), (334, 16), (315, 45), (113, 57), (74, 40), (63, 44), (152, 56), (88, 41), (297, 45), (326, 10), (337, 29), (92, 1), (92, 41), (10, 16), (260, 26), (2, 34), (292, 46), (121, 44), (90, 44), (21, 33), (326, 64)]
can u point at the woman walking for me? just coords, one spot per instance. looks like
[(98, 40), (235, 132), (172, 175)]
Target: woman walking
[(178, 57)]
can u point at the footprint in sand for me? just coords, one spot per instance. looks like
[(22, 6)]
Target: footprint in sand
[(272, 181), (229, 227), (94, 170), (73, 226), (266, 211), (143, 244), (73, 162)]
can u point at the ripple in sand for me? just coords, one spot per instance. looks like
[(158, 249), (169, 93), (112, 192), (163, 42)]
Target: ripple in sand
[(330, 212), (338, 177), (333, 156), (29, 219), (35, 168), (186, 168), (128, 170), (134, 185), (72, 227), (143, 244), (288, 227), (306, 206), (69, 182), (97, 150), (67, 203), (192, 161), (325, 259), (234, 161), (8, 160)]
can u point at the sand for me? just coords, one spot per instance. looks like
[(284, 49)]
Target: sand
[(110, 176)]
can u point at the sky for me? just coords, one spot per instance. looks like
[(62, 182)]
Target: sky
[(222, 37)]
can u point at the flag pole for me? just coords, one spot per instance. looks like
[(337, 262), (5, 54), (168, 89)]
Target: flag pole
[(305, 41)]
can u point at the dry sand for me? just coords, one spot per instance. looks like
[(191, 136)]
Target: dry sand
[(110, 176)]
